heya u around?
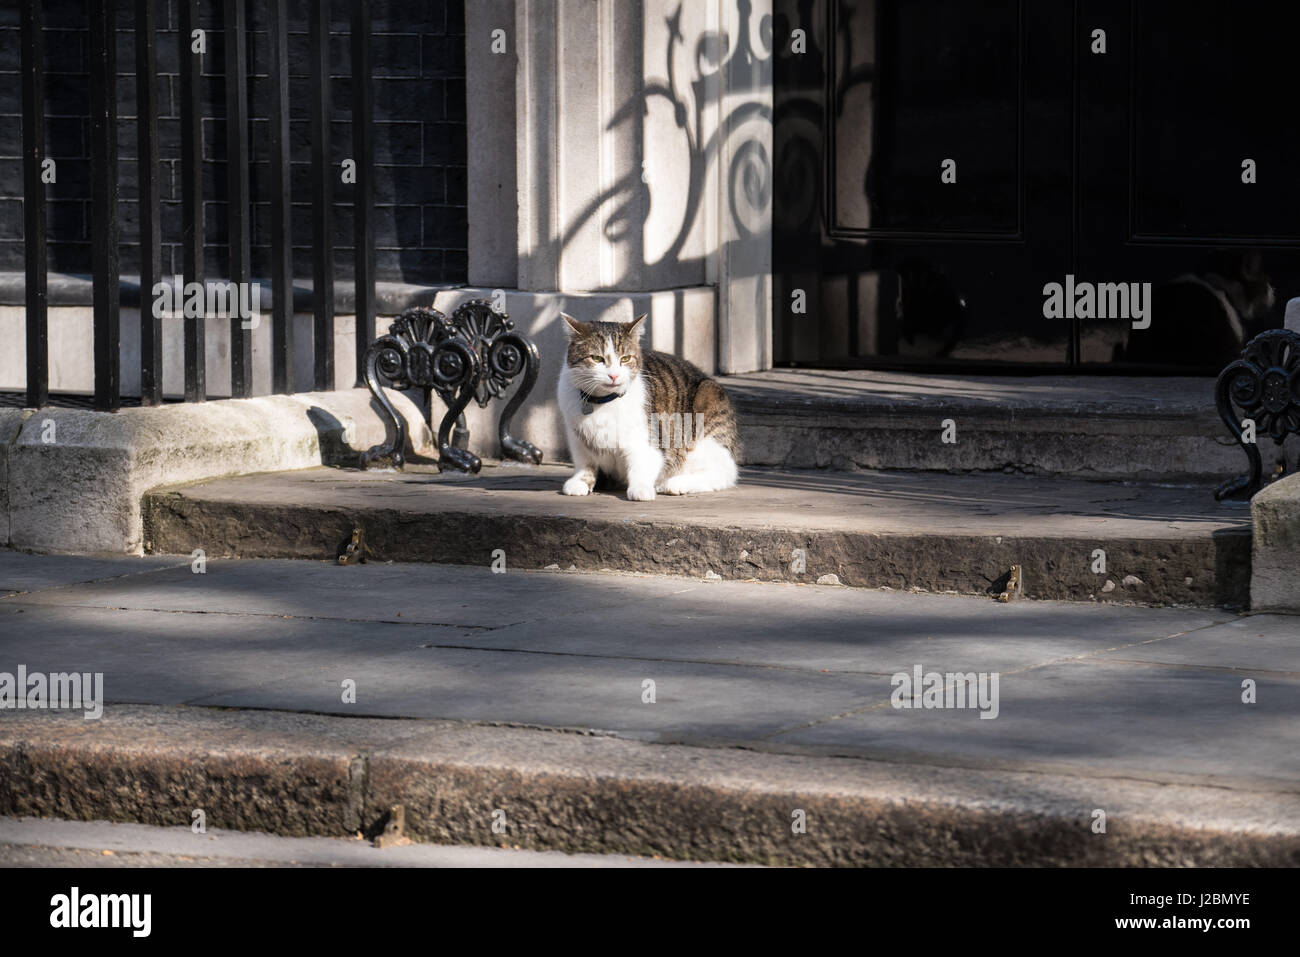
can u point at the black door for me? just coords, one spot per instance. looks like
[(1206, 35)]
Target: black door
[(1101, 185)]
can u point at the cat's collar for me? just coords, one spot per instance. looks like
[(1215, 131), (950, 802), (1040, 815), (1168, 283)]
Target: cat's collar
[(588, 400)]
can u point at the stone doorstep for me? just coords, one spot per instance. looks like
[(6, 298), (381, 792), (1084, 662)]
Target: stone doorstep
[(83, 492), (1106, 428), (301, 774), (907, 531)]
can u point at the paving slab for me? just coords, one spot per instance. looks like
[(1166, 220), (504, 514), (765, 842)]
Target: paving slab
[(24, 572), (761, 664), (171, 658), (646, 617), (1268, 644), (300, 665), (922, 531), (1144, 720), (810, 627), (691, 701), (462, 597), (525, 691)]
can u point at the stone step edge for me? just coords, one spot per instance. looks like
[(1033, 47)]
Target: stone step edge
[(314, 775), (1203, 571), (975, 418)]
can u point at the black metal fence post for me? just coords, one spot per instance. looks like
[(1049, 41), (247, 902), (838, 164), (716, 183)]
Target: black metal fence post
[(363, 148), (103, 194), (193, 301), (192, 201), (322, 199), (281, 243), (146, 96), (36, 262), (237, 204)]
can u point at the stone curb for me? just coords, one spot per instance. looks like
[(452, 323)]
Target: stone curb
[(295, 775), (1275, 558), (74, 479)]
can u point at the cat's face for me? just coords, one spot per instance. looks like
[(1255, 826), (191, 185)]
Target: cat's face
[(603, 357)]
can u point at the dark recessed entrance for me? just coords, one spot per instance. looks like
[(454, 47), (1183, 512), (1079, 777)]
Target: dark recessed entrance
[(940, 163)]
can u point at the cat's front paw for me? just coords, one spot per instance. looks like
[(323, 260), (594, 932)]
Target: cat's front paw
[(576, 485), (641, 493), (676, 485)]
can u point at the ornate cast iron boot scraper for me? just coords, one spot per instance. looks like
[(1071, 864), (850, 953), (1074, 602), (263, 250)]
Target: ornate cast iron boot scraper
[(1263, 388), (475, 354)]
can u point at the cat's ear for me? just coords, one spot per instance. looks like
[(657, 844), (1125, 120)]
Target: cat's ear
[(637, 326), (573, 326)]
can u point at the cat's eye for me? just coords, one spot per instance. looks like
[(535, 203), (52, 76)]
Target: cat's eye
[(625, 359), (595, 358)]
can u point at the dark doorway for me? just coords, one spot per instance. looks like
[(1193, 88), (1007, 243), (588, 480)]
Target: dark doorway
[(941, 164)]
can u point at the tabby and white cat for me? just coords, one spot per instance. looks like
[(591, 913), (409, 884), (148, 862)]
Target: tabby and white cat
[(644, 419)]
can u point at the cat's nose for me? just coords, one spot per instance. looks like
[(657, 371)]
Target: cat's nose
[(613, 376)]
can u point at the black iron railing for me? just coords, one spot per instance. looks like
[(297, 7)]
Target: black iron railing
[(102, 100), (37, 264)]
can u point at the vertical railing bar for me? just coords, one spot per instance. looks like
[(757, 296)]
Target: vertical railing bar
[(281, 242), (146, 86), (363, 148), (103, 194), (322, 199), (192, 202), (36, 264), (241, 339)]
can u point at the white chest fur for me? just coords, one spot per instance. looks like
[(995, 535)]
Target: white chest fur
[(612, 432)]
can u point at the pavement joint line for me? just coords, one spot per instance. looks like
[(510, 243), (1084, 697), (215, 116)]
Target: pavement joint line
[(454, 647), (1013, 671), (198, 701), (1192, 666), (89, 581), (364, 756), (265, 614), (758, 665), (762, 666), (219, 708), (359, 621)]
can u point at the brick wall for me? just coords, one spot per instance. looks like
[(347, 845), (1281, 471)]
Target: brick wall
[(418, 52)]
